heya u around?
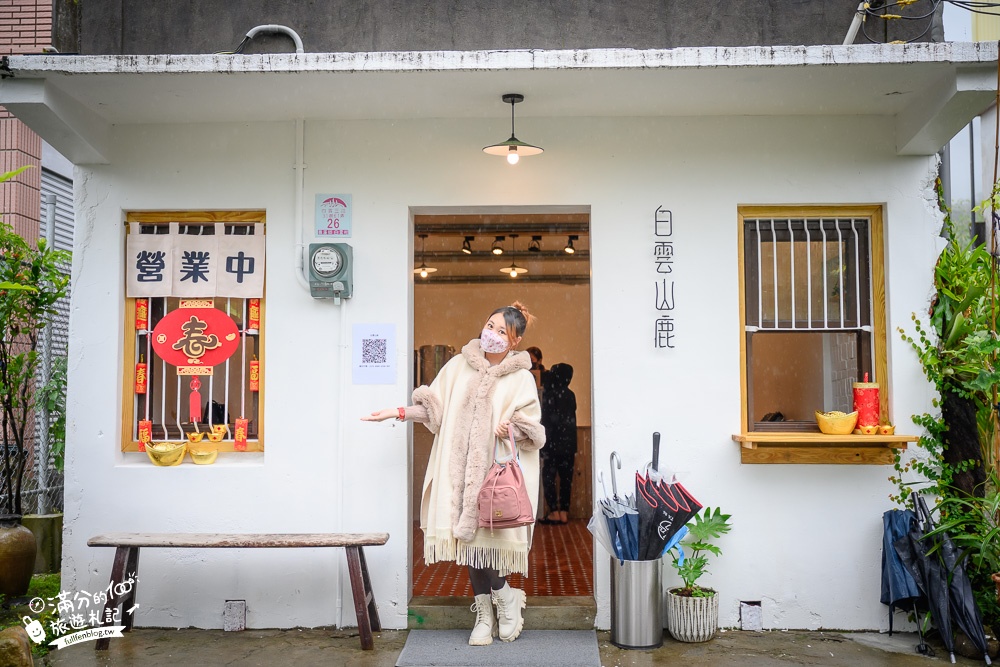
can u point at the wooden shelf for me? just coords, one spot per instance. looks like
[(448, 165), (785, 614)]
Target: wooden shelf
[(773, 447)]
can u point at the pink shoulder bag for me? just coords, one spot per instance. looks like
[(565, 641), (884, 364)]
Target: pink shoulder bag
[(503, 497)]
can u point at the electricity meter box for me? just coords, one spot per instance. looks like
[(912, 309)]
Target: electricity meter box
[(331, 270)]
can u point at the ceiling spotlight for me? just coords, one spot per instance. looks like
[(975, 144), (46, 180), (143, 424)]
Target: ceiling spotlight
[(569, 249), (536, 244), (498, 246), (467, 245), (423, 270), (513, 148), (513, 270)]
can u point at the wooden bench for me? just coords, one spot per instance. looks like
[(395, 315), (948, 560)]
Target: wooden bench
[(126, 564)]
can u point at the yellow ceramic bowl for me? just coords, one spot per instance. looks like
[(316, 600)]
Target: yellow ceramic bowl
[(868, 430), (166, 453), (195, 437), (836, 424), (887, 429), (203, 454)]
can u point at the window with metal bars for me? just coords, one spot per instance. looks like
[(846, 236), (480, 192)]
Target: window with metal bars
[(231, 392), (808, 316)]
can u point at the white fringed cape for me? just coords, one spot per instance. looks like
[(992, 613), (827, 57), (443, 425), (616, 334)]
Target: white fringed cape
[(464, 403)]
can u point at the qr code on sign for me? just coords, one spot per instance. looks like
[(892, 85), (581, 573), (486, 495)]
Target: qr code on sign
[(373, 351)]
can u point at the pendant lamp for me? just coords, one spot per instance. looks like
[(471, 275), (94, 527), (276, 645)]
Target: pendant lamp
[(513, 270), (423, 270), (513, 148)]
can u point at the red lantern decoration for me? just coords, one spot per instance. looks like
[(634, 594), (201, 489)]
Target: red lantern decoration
[(194, 400), (145, 433), (866, 402), (253, 314), (195, 339), (254, 375), (141, 314), (140, 376), (240, 435)]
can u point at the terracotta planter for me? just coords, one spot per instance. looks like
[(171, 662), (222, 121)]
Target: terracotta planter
[(692, 619), (17, 557)]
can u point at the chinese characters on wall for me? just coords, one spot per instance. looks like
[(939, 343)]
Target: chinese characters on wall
[(663, 288), (183, 265)]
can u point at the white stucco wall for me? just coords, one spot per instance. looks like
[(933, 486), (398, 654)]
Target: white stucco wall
[(806, 539)]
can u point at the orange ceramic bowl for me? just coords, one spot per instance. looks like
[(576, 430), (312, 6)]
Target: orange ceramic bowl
[(887, 429), (195, 437), (217, 436), (868, 430)]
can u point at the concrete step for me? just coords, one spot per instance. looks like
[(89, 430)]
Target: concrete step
[(542, 613)]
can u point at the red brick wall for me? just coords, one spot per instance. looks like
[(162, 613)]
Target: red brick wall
[(25, 27)]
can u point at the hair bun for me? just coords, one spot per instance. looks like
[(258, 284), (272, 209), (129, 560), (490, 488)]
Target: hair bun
[(520, 307)]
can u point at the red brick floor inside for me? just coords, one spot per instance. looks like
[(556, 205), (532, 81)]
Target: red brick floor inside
[(561, 562)]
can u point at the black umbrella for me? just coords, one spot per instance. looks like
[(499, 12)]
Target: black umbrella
[(663, 509), (928, 571), (964, 610), (898, 586)]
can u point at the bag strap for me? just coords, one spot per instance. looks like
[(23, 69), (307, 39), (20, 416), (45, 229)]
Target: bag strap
[(515, 453)]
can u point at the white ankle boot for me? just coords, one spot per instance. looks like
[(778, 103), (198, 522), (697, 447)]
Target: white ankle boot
[(486, 628), (509, 602)]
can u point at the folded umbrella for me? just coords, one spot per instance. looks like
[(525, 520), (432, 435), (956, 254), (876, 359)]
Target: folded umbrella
[(898, 586), (663, 510), (928, 571)]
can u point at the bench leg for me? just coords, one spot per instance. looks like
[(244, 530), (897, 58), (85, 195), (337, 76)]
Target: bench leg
[(131, 570), (364, 599), (117, 573)]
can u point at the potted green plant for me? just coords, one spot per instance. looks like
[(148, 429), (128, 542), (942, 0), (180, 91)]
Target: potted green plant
[(693, 610), (31, 282)]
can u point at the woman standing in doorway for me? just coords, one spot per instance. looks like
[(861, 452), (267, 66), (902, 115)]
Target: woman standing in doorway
[(471, 402)]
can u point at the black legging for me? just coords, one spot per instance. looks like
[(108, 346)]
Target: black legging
[(562, 466), (485, 580)]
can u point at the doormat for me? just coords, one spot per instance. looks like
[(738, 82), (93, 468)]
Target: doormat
[(450, 648)]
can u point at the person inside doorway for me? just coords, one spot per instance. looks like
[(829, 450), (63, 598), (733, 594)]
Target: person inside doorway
[(537, 368), (559, 420), (473, 400)]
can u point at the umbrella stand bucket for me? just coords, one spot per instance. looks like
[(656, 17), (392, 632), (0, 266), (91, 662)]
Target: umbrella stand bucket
[(636, 604)]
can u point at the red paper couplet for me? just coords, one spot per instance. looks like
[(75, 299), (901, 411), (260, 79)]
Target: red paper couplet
[(194, 402), (240, 435), (253, 315), (145, 433), (254, 375), (141, 314), (140, 377)]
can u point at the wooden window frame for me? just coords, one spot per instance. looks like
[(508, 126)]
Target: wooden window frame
[(129, 442), (796, 445)]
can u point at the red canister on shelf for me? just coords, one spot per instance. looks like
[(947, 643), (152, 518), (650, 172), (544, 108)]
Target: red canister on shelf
[(866, 402)]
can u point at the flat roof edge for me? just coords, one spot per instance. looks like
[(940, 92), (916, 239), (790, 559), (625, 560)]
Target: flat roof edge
[(959, 53)]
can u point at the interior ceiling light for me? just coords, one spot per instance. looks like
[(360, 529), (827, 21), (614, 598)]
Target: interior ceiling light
[(536, 244), (569, 249), (498, 246), (513, 270), (423, 270), (513, 148), (467, 245)]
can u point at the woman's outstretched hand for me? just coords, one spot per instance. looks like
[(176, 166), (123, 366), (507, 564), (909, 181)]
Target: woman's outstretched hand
[(381, 415)]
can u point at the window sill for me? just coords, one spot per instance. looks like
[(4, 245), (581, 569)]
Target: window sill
[(771, 447)]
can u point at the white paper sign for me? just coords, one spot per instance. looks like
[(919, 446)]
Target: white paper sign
[(194, 266), (374, 354), (333, 216)]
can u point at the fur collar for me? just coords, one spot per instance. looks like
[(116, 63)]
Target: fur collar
[(514, 360)]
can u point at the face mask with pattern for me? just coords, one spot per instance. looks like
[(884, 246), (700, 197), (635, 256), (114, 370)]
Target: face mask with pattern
[(492, 342)]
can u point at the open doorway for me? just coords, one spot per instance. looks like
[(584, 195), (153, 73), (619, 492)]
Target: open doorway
[(469, 256)]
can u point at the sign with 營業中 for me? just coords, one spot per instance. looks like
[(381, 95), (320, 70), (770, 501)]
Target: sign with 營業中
[(333, 216), (194, 266)]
